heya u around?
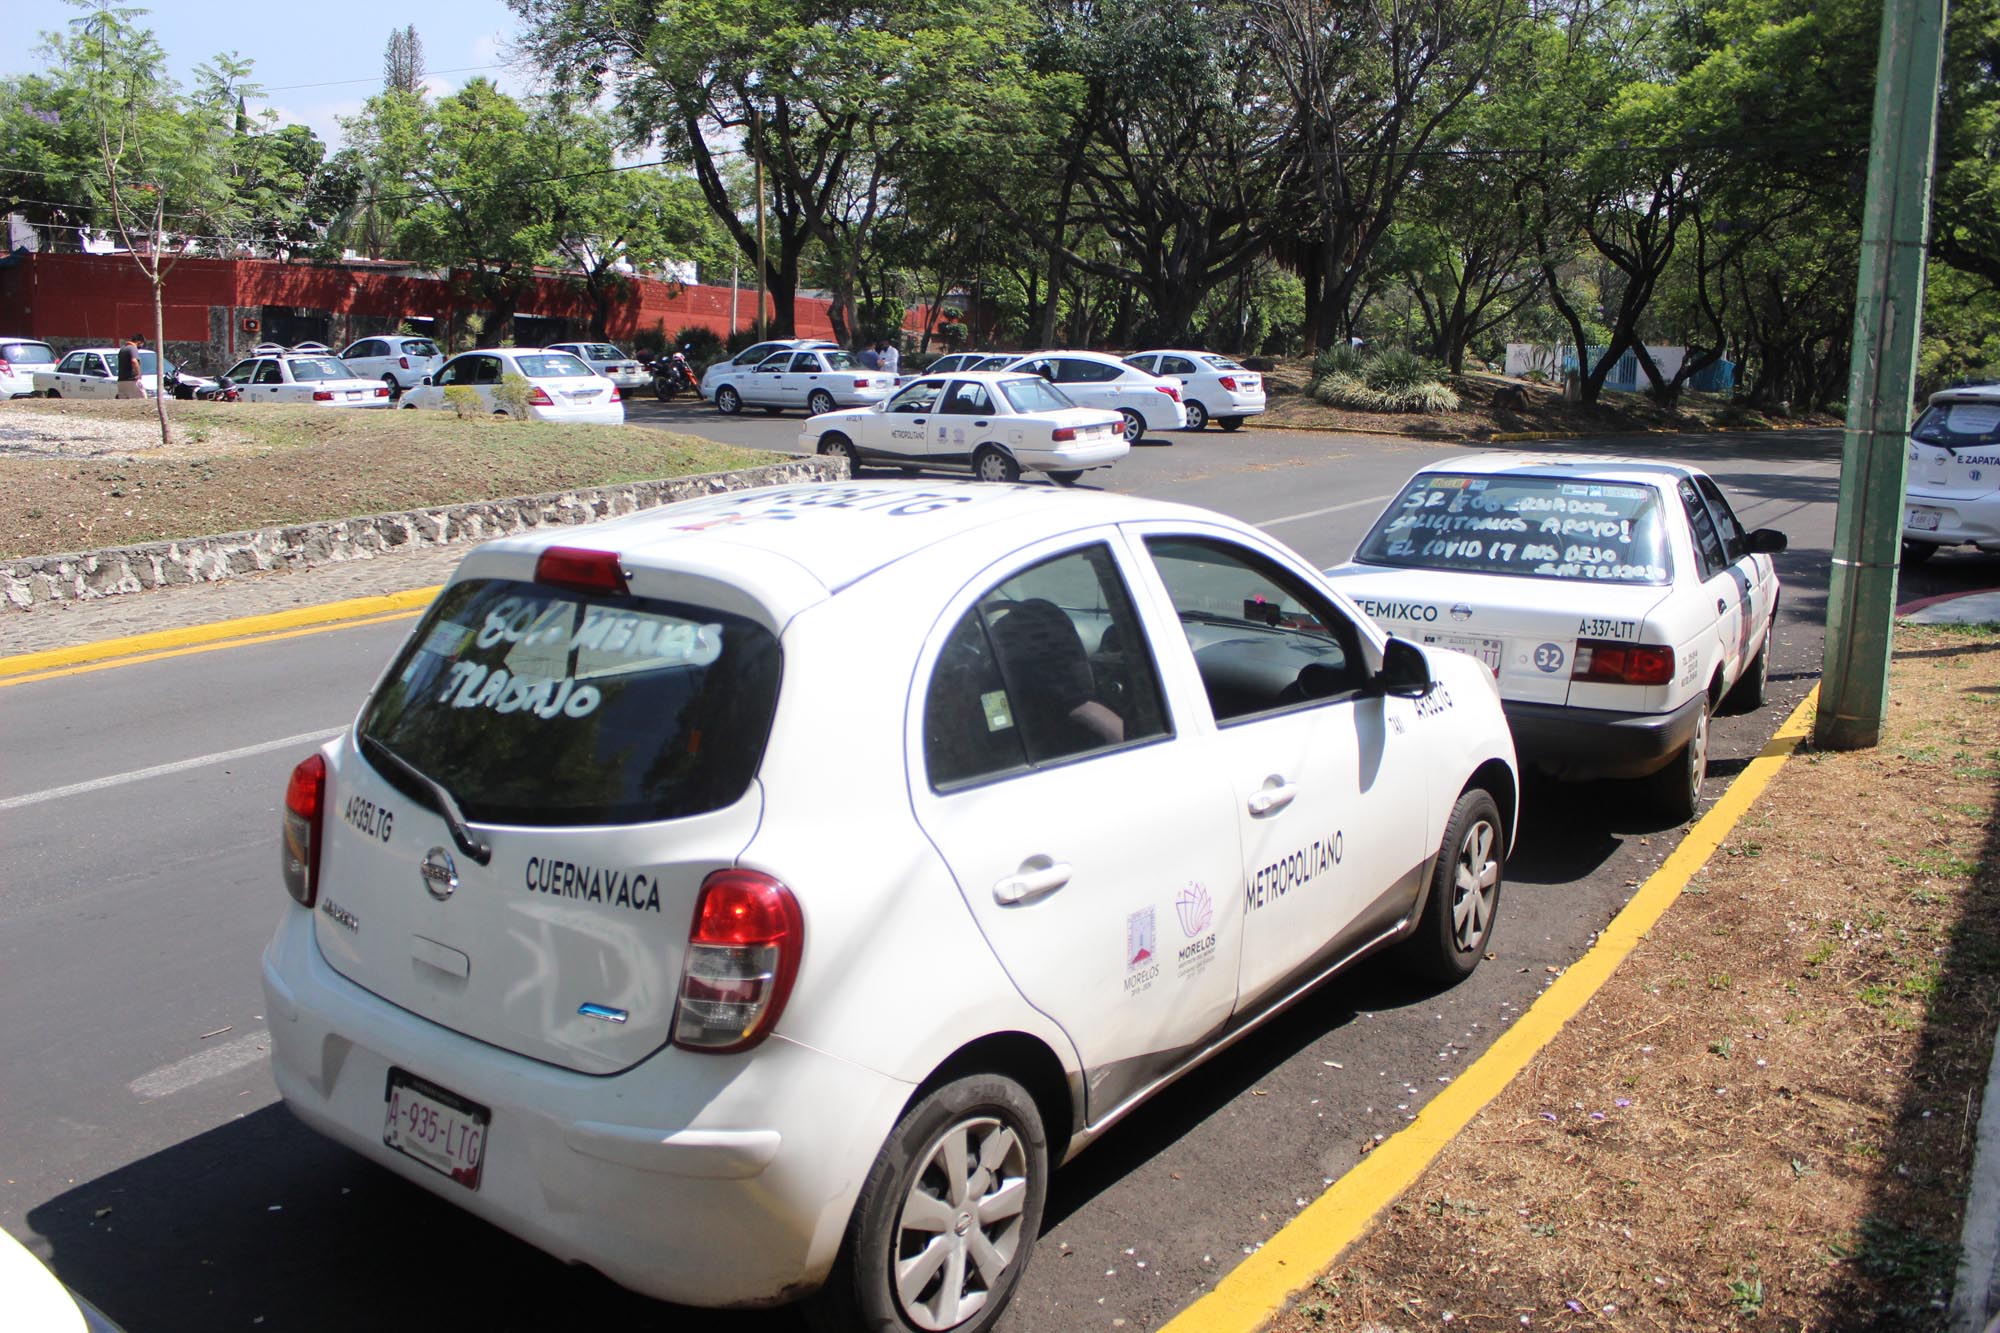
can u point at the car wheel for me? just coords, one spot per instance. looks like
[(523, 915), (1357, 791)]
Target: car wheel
[(55, 393), (1755, 685), (836, 445), (728, 401), (1914, 553), (1067, 477), (1197, 415), (991, 464), (1457, 923), (1676, 789), (947, 1217), (409, 407), (395, 389), (819, 403), (1135, 425), (1230, 423)]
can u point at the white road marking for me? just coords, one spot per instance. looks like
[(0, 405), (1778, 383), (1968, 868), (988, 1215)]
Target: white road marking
[(161, 770), (1330, 509), (199, 1068)]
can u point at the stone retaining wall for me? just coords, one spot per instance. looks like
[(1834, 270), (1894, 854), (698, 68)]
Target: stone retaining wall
[(84, 576)]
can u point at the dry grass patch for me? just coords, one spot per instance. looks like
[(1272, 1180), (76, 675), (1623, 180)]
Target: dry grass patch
[(1765, 1118)]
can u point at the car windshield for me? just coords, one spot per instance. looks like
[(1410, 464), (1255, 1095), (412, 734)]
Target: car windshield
[(1959, 425), (420, 347), (841, 361), (1528, 526), (1031, 393), (537, 705), (553, 366), (308, 368), (27, 353)]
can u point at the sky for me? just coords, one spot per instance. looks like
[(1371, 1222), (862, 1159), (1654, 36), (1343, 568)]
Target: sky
[(316, 62)]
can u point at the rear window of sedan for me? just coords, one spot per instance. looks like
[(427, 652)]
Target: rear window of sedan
[(542, 706), (1959, 425), (1034, 394), (1526, 526), (553, 366), (308, 368)]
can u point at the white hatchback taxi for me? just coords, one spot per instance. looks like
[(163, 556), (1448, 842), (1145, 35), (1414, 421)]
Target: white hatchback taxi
[(630, 916), (1952, 493), (999, 425), (1213, 387), (1619, 603)]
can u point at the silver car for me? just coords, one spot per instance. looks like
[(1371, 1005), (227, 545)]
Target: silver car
[(399, 361)]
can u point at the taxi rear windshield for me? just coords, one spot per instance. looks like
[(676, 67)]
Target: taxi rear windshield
[(1533, 527), (1959, 425), (541, 706)]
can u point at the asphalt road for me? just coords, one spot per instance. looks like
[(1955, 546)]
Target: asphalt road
[(142, 1149)]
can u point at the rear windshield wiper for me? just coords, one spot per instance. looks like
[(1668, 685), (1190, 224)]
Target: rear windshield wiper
[(440, 798)]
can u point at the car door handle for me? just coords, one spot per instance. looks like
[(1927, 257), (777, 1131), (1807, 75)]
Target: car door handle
[(918, 421), (1275, 796), (979, 425), (1038, 877), (1721, 605)]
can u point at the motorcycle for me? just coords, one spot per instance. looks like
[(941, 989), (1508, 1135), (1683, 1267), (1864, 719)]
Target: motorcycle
[(672, 376), (199, 388)]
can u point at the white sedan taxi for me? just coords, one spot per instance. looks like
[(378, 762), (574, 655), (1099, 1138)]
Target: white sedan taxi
[(610, 362), (559, 387), (584, 935), (1619, 604), (1093, 379), (815, 379), (312, 380), (999, 425), (748, 358), (1952, 492), (1213, 387), (92, 372)]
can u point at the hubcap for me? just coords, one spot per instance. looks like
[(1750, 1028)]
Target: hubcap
[(960, 1225), (1197, 416), (1477, 880), (1698, 756), (1134, 428)]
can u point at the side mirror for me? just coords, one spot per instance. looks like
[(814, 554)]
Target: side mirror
[(1766, 541), (1405, 673), (427, 379)]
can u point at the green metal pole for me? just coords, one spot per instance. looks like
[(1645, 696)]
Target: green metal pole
[(1867, 537)]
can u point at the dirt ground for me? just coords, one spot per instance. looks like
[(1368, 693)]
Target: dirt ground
[(1765, 1118), (83, 476)]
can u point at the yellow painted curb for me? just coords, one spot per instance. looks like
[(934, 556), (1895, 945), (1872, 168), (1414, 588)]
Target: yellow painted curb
[(149, 646), (1258, 1287)]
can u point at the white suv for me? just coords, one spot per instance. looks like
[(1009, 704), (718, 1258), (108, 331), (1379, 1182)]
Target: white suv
[(1952, 493), (399, 361), (592, 934)]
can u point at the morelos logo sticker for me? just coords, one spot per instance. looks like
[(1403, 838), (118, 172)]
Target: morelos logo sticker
[(1142, 947), (1196, 911)]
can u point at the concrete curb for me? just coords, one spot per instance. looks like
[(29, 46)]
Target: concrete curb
[(117, 571), (1975, 1296)]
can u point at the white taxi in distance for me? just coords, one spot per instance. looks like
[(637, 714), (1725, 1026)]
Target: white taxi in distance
[(817, 379), (1093, 379), (586, 936), (1213, 387), (92, 372), (999, 425), (610, 362), (20, 360), (748, 359), (1952, 492), (313, 380), (559, 387), (1618, 602)]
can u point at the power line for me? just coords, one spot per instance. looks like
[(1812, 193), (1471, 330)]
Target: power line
[(373, 78)]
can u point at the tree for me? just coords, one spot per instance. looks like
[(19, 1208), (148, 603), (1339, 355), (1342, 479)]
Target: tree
[(403, 63)]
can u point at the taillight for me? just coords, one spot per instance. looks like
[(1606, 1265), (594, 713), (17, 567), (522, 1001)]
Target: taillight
[(322, 395), (305, 797), (862, 384), (742, 954), (540, 398), (1622, 663), (1063, 434), (405, 361), (382, 392), (1227, 381), (581, 568), (1170, 391), (614, 395)]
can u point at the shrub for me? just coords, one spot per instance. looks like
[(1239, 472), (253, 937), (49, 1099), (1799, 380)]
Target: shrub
[(510, 395), (700, 342), (1344, 359), (1397, 370), (1347, 390), (464, 400)]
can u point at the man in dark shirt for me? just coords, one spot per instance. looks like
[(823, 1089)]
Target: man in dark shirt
[(128, 368)]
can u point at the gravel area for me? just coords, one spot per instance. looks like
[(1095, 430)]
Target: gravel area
[(40, 428)]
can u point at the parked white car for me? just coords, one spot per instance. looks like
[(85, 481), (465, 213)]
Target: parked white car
[(1213, 387), (610, 362), (1952, 490), (586, 937), (999, 425), (1619, 603), (560, 387), (748, 358), (36, 1301), (308, 380), (92, 372), (399, 360), (1092, 379), (816, 379), (20, 360)]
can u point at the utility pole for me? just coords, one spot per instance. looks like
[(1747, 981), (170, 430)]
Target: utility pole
[(757, 153), (1867, 538)]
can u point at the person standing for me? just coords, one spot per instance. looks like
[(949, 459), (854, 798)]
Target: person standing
[(870, 359), (128, 368), (888, 359)]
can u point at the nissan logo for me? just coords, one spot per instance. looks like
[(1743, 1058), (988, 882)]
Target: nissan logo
[(440, 873)]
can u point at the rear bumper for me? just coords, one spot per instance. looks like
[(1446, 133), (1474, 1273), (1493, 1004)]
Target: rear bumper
[(1960, 520), (706, 1180), (1101, 453), (1577, 744)]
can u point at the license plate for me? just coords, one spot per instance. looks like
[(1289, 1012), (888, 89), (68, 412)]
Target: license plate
[(444, 1131), (578, 395), (1923, 520), (356, 393), (1486, 650)]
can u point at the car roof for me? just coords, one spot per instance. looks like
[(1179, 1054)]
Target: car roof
[(979, 376), (1182, 351), (1968, 393), (1599, 466), (1103, 358), (789, 547)]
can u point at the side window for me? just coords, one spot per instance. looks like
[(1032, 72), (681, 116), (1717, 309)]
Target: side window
[(1049, 665), (776, 364), (268, 373), (750, 356), (1733, 543), (1176, 365), (807, 363), (486, 370), (371, 347), (240, 372), (1145, 363), (1707, 542), (968, 398), (1085, 372), (919, 397), (1262, 638), (71, 364), (453, 372), (93, 366)]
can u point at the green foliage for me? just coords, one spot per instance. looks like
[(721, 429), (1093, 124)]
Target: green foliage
[(1394, 380), (701, 344), (511, 396), (464, 400), (1343, 358)]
